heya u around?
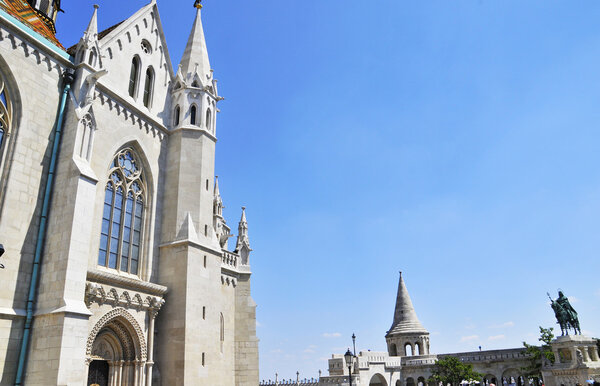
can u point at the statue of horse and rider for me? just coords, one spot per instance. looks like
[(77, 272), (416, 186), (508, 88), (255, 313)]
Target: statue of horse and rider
[(566, 315)]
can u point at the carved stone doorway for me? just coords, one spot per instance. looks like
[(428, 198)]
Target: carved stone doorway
[(98, 373)]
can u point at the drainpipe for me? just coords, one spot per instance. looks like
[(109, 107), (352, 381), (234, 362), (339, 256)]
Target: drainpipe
[(39, 246)]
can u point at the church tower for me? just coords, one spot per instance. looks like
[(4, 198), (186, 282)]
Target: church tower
[(407, 336)]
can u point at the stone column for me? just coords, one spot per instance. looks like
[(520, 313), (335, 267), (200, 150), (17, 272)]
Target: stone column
[(573, 354), (584, 352), (150, 360), (136, 373), (556, 356), (141, 366), (120, 381), (87, 371), (594, 353)]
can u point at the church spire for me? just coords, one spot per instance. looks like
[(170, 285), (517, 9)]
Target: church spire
[(405, 317), (243, 242), (195, 56), (91, 32)]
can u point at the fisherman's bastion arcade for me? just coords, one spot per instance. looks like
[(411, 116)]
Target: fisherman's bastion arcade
[(408, 361)]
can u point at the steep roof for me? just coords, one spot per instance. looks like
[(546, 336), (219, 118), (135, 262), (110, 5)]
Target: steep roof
[(405, 317), (21, 10), (71, 50), (195, 55)]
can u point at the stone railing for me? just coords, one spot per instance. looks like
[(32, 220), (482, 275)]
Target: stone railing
[(419, 360), (491, 355), (230, 260), (298, 382)]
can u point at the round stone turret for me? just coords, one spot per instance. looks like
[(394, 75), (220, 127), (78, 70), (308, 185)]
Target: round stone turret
[(407, 336)]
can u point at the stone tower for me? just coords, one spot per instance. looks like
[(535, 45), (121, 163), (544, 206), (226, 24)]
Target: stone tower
[(407, 336)]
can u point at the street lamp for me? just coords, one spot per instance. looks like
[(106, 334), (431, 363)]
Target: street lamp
[(1, 253), (348, 357)]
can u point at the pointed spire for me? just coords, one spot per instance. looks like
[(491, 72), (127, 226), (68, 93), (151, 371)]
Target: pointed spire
[(195, 56), (216, 190), (405, 317), (243, 242), (91, 32)]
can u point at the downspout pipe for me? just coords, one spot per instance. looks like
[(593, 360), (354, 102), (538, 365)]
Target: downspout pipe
[(41, 236)]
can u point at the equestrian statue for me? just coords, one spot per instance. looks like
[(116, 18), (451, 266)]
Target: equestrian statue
[(566, 315)]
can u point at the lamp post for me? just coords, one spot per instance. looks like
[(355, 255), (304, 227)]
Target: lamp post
[(348, 357), (1, 253)]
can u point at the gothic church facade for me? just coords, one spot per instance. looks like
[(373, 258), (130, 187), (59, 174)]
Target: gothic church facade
[(117, 269)]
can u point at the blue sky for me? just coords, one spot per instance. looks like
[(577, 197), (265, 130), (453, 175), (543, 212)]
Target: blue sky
[(456, 141)]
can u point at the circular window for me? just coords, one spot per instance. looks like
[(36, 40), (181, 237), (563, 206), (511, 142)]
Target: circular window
[(146, 47)]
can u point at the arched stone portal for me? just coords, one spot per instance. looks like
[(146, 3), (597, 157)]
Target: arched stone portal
[(116, 348), (377, 380)]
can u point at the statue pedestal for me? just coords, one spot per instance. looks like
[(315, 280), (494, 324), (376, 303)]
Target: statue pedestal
[(575, 361)]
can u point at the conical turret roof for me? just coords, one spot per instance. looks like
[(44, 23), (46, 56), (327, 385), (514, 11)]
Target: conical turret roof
[(405, 317), (195, 56)]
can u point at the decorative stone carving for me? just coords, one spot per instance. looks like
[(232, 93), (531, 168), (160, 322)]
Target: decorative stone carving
[(119, 313)]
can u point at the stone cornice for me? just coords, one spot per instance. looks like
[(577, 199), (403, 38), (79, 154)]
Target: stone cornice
[(125, 282), (117, 102)]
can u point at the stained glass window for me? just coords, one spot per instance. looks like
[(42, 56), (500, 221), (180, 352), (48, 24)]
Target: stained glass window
[(123, 213), (5, 115)]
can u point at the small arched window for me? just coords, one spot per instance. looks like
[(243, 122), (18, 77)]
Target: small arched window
[(177, 113), (122, 218), (92, 57), (148, 86), (134, 75), (208, 119), (193, 115)]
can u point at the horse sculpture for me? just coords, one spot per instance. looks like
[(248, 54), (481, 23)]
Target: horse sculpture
[(566, 315)]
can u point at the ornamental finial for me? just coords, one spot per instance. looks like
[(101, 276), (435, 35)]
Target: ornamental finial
[(198, 4)]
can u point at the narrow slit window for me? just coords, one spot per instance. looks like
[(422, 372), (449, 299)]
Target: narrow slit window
[(133, 76), (177, 113), (193, 115), (148, 87), (208, 119)]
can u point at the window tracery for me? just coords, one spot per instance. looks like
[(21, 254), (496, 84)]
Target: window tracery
[(123, 212), (5, 114)]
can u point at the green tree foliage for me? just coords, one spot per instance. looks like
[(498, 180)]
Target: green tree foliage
[(538, 353), (450, 370)]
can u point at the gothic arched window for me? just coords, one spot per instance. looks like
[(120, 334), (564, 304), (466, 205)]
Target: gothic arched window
[(5, 116), (148, 86), (208, 118), (177, 112), (193, 115), (133, 75), (123, 214)]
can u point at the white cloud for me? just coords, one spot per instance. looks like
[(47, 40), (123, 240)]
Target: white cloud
[(470, 326), (469, 338), (277, 351), (331, 335), (496, 337), (503, 325), (573, 299), (258, 324), (310, 349)]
